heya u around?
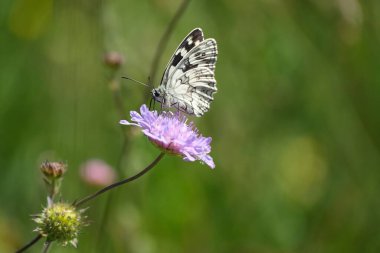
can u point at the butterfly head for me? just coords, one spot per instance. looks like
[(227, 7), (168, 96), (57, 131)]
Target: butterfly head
[(157, 94)]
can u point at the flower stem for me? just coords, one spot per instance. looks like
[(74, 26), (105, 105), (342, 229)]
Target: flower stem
[(165, 38), (31, 243), (46, 247), (127, 180)]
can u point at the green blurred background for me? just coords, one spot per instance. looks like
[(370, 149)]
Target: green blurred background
[(295, 125)]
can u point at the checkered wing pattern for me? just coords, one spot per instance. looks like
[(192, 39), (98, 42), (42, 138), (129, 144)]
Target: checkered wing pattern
[(188, 83)]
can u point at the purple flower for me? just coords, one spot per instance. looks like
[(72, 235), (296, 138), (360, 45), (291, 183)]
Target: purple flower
[(169, 132)]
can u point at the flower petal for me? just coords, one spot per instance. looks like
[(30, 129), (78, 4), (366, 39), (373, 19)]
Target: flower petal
[(209, 161), (125, 122)]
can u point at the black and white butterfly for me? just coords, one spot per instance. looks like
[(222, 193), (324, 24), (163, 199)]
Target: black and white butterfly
[(188, 83)]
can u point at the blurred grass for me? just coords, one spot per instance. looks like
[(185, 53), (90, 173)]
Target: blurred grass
[(294, 124)]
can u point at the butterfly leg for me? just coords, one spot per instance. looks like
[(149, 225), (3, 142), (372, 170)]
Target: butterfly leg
[(162, 104), (150, 103)]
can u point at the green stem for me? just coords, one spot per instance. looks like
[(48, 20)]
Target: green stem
[(103, 223), (46, 247), (165, 38), (30, 244), (127, 180)]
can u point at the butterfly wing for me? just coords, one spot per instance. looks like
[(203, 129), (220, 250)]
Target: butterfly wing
[(193, 91), (190, 82), (189, 42)]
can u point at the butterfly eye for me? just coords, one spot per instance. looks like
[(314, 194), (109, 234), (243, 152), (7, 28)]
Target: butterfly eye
[(155, 93)]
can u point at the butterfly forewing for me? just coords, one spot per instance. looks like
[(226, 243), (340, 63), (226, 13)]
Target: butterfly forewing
[(202, 56), (188, 81), (192, 39)]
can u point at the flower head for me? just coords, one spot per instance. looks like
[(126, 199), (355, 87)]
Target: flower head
[(171, 133), (60, 222), (97, 172)]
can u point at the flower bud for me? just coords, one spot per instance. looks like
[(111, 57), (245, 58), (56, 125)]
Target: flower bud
[(97, 172), (60, 222), (113, 60), (53, 170), (53, 175)]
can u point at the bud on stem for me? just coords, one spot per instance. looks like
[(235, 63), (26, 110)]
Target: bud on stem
[(52, 176)]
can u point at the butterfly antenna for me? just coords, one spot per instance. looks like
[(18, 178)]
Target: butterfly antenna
[(135, 81)]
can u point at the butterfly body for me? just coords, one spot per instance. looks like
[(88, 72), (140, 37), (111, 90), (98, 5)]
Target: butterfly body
[(188, 82)]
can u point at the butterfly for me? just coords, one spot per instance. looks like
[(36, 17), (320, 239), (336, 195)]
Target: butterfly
[(188, 82)]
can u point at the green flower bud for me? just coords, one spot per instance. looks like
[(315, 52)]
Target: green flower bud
[(61, 222)]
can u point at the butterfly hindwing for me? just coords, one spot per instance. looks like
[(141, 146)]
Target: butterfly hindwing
[(193, 91)]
